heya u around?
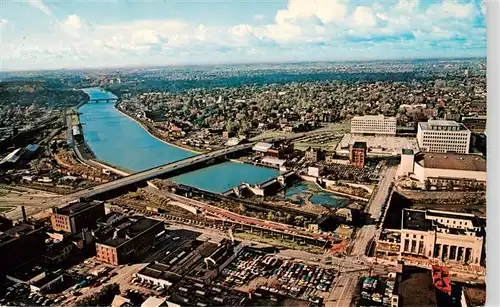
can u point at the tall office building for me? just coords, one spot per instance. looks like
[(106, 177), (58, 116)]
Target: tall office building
[(443, 136), (373, 124)]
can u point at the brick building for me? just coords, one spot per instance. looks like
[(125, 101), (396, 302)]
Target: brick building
[(77, 216), (357, 154), (128, 240)]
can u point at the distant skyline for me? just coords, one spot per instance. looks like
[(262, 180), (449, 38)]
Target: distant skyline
[(74, 34)]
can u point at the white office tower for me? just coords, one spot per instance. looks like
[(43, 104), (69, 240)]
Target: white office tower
[(443, 136), (373, 124)]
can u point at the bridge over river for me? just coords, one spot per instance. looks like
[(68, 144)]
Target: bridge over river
[(140, 179)]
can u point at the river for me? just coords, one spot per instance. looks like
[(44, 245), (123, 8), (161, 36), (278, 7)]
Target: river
[(117, 140)]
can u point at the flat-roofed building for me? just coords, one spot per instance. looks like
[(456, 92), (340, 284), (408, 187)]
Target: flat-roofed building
[(76, 216), (443, 136), (129, 240), (357, 154), (475, 124), (373, 124), (441, 235), (443, 167), (20, 244)]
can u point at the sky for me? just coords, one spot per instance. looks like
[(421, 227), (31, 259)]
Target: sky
[(53, 34)]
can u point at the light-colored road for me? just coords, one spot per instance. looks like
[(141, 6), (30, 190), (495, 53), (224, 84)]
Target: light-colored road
[(341, 295), (374, 209)]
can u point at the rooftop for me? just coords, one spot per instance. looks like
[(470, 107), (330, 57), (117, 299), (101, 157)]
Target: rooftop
[(262, 146), (359, 145), (453, 215), (417, 289), (416, 220), (378, 117), (451, 161), (129, 230), (32, 147), (74, 208), (447, 125), (423, 220)]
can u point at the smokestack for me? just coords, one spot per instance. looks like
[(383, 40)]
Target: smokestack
[(24, 213)]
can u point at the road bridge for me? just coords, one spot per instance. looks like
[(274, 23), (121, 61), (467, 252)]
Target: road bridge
[(103, 100), (140, 179)]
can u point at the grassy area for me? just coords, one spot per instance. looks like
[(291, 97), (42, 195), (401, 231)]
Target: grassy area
[(5, 209), (278, 242), (271, 134)]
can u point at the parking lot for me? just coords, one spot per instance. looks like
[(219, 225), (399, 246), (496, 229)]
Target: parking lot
[(253, 269)]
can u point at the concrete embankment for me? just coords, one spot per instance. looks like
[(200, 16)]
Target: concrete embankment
[(313, 179)]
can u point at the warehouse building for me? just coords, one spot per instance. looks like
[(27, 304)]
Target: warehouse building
[(128, 240)]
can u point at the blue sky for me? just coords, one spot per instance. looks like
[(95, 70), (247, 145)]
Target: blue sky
[(45, 34)]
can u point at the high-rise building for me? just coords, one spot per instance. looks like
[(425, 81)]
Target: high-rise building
[(373, 124), (443, 136)]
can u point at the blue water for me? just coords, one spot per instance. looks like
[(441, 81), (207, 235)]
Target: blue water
[(319, 197), (120, 141)]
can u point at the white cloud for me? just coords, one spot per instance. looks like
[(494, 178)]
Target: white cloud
[(407, 5), (75, 26), (296, 30), (40, 5), (451, 10), (363, 17), (327, 11), (3, 22)]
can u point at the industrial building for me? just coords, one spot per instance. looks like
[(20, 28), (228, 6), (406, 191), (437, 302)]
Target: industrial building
[(441, 235), (357, 154), (443, 136), (128, 240), (441, 168), (20, 157), (77, 216), (373, 124), (277, 150), (20, 244)]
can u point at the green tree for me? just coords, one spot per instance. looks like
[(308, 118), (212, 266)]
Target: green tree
[(427, 184)]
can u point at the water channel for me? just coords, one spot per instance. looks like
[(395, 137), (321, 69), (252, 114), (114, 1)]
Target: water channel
[(120, 141), (117, 140)]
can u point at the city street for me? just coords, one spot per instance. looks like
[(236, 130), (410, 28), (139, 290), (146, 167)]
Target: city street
[(344, 287), (374, 209)]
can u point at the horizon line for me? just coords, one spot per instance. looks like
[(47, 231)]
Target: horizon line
[(149, 66)]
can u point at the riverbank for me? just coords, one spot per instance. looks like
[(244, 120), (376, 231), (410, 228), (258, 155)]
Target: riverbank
[(153, 135)]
